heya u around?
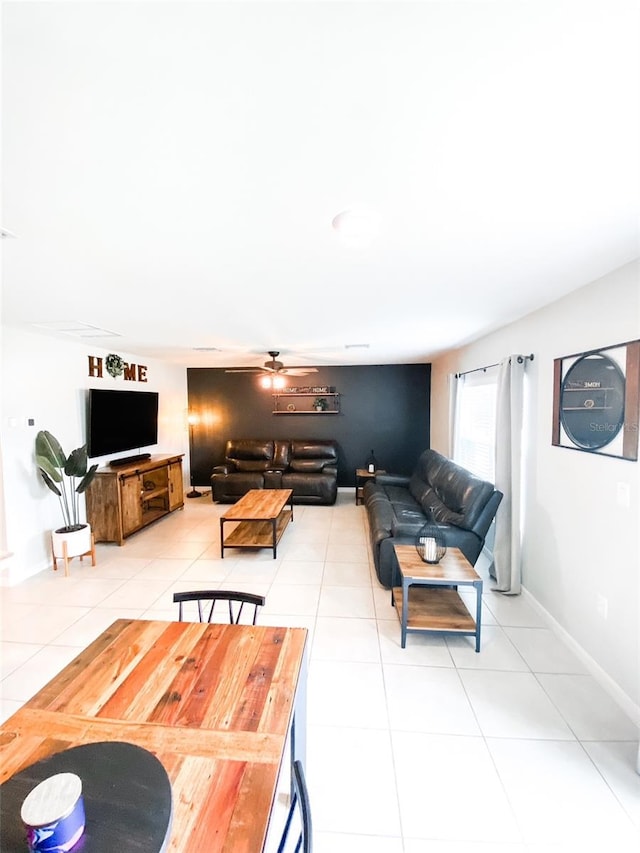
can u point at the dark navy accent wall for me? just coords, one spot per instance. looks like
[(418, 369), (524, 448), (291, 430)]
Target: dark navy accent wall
[(382, 407)]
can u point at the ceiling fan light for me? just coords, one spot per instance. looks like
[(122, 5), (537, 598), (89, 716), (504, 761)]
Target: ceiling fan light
[(274, 382)]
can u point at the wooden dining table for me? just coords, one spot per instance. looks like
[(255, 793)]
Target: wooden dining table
[(217, 705)]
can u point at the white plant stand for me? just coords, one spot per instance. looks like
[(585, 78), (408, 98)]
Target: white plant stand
[(66, 546)]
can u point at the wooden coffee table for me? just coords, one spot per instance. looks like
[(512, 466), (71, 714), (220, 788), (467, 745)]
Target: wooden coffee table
[(262, 520), (427, 599)]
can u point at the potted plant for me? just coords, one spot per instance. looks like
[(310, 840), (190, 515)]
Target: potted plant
[(320, 404), (67, 477)]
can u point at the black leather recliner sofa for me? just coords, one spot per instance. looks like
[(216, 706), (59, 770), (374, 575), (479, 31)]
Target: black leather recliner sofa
[(397, 506), (307, 466)]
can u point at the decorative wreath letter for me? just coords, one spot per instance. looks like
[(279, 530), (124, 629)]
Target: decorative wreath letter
[(114, 365)]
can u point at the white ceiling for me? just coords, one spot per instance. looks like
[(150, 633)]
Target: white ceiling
[(171, 170)]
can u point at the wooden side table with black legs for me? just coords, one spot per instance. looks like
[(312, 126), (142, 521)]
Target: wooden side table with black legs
[(427, 598)]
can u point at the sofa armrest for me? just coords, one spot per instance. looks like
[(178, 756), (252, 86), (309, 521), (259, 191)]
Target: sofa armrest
[(392, 479), (483, 522), (223, 469)]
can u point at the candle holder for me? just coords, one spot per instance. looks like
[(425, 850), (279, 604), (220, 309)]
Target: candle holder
[(430, 543)]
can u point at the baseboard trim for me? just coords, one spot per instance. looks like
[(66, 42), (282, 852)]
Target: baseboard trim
[(11, 576), (614, 690)]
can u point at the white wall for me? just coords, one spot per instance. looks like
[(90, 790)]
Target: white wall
[(46, 378), (580, 547)]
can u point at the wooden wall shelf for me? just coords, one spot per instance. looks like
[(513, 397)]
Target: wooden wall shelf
[(301, 403)]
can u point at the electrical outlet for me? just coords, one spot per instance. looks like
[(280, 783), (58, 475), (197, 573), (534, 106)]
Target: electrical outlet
[(602, 606)]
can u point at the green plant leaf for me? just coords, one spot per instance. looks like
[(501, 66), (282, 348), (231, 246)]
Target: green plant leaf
[(76, 464), (47, 479), (88, 477), (48, 469), (47, 445)]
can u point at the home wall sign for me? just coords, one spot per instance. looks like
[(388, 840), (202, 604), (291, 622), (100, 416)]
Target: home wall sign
[(116, 366), (596, 401), (308, 389)]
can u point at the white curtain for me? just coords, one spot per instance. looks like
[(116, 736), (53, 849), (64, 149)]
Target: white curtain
[(507, 548)]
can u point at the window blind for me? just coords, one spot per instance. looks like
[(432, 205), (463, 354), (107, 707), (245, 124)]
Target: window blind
[(474, 445)]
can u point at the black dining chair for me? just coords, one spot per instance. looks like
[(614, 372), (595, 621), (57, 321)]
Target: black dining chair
[(233, 597), (297, 833)]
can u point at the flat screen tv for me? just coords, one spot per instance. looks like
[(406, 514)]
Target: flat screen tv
[(121, 420)]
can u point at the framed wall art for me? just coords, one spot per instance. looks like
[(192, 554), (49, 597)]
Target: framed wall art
[(596, 401)]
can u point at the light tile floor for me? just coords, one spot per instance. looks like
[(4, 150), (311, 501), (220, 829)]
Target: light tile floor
[(428, 749)]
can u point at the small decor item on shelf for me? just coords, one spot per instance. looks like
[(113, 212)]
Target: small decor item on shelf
[(320, 404), (430, 542), (372, 465)]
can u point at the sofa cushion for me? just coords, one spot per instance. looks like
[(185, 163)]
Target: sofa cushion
[(320, 488), (441, 513), (472, 499), (313, 450), (400, 496), (432, 506), (406, 515), (228, 488), (281, 455), (249, 448), (458, 489), (252, 464), (307, 465), (249, 454), (418, 487), (451, 493)]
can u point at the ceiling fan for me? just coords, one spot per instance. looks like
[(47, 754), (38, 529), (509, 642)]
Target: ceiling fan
[(274, 368)]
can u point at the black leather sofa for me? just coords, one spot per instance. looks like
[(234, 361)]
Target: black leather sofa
[(307, 466), (397, 506)]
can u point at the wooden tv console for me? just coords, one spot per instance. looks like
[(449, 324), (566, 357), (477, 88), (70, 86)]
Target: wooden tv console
[(122, 500)]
